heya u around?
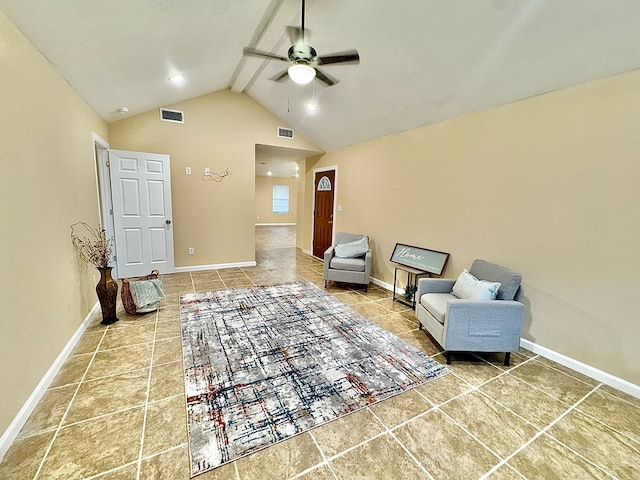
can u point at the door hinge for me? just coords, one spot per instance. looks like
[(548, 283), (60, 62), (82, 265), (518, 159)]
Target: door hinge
[(111, 212), (108, 163), (115, 258)]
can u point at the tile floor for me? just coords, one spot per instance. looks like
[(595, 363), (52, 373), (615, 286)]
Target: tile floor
[(116, 409)]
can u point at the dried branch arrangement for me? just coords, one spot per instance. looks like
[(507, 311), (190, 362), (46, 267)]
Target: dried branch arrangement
[(217, 176), (92, 244)]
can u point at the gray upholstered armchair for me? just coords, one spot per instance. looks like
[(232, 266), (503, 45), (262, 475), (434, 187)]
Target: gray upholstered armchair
[(348, 259), (471, 324)]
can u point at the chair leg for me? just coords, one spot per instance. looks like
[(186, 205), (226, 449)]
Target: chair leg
[(419, 326), (507, 357), (447, 355), (325, 284)]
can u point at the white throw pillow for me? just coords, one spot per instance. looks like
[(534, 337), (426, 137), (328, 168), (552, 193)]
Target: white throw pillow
[(468, 287), (352, 249)]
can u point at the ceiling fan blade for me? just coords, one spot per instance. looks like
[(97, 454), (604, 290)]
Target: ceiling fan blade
[(328, 80), (252, 52), (280, 77), (350, 57)]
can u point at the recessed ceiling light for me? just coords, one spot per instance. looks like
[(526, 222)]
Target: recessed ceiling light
[(177, 78), (123, 111), (312, 105), (269, 173)]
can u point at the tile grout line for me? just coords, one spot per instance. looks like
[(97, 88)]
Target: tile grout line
[(358, 445), (564, 372), (324, 462), (569, 406), (111, 470), (540, 432), (610, 427), (64, 416), (104, 415), (544, 432), (578, 454), (436, 408), (235, 467), (146, 403), (407, 451)]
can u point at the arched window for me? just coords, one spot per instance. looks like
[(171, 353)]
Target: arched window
[(324, 184)]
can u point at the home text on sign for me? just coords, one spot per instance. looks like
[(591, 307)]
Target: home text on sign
[(424, 259)]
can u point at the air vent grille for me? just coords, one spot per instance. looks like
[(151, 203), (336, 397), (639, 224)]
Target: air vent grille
[(285, 132), (175, 116)]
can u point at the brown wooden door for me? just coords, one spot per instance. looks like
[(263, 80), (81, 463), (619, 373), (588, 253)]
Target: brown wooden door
[(324, 183)]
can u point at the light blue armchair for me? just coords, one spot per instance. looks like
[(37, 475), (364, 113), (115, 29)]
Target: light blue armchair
[(355, 266), (466, 325)]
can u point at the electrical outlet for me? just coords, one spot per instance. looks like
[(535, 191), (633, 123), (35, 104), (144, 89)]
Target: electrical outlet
[(207, 171), (191, 251), (187, 170)]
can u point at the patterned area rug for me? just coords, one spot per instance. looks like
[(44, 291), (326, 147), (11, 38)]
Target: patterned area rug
[(263, 364)]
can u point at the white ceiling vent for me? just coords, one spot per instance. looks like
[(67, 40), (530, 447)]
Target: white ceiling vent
[(175, 116), (285, 132)]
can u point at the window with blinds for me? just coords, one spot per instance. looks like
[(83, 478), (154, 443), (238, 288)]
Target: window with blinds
[(281, 199)]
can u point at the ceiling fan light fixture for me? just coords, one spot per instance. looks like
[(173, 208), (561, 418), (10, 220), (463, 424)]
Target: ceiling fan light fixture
[(301, 73)]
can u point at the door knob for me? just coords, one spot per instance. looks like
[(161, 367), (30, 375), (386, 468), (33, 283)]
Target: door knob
[(168, 222)]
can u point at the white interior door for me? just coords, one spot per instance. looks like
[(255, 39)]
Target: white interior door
[(141, 193)]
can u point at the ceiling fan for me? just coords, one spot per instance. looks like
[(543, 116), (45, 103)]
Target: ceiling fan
[(304, 59)]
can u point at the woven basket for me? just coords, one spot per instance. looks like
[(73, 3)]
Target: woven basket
[(127, 299)]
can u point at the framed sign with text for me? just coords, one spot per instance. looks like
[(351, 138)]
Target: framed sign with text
[(424, 259)]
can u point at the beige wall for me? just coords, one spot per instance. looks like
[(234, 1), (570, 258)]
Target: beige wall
[(47, 182), (547, 186), (220, 131), (264, 200), (304, 230)]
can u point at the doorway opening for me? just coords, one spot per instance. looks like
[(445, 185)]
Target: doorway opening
[(279, 197)]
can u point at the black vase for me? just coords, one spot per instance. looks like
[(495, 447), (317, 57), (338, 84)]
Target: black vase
[(107, 290)]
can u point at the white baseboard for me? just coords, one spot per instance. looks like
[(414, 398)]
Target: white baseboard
[(274, 224), (217, 266), (386, 286), (12, 431), (375, 281), (588, 370)]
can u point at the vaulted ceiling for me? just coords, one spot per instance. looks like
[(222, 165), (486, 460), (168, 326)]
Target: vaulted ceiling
[(422, 61)]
